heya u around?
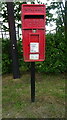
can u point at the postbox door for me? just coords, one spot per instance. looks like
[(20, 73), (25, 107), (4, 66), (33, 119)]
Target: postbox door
[(34, 46)]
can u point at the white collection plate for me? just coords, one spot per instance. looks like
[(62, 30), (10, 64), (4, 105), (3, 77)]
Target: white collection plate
[(34, 56)]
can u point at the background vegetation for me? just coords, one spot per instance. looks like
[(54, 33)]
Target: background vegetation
[(50, 88), (55, 56), (55, 42)]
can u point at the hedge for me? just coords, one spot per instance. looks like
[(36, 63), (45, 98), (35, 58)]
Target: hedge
[(55, 61)]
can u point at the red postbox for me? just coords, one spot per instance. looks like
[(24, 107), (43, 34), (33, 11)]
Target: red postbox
[(33, 31)]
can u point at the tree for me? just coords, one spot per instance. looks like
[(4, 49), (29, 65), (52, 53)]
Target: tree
[(55, 51), (13, 47), (56, 6)]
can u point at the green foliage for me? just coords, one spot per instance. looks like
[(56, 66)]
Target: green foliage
[(6, 57), (55, 56), (57, 6), (24, 66), (55, 43)]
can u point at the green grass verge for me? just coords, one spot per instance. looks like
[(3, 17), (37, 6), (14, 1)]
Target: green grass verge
[(50, 97)]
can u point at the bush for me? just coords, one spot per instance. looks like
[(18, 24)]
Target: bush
[(55, 56), (24, 66), (6, 57)]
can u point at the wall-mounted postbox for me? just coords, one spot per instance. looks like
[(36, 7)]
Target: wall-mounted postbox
[(33, 31)]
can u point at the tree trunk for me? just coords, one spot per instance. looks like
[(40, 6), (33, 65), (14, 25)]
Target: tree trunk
[(12, 32)]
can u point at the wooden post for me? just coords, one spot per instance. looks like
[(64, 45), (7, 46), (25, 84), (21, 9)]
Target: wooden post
[(32, 81)]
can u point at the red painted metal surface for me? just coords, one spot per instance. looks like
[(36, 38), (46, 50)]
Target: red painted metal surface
[(33, 31)]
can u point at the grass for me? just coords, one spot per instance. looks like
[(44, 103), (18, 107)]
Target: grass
[(50, 97)]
